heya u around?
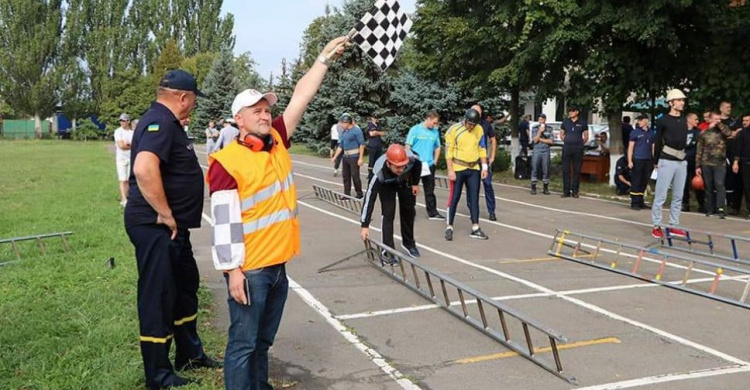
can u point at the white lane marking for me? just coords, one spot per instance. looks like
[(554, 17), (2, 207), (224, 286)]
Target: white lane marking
[(556, 294), (549, 237), (410, 309), (372, 354), (650, 380)]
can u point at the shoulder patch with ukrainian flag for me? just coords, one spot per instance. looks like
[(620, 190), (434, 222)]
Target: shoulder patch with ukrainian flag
[(154, 127)]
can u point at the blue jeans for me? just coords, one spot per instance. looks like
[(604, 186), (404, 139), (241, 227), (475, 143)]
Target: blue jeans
[(470, 178), (669, 173), (253, 329)]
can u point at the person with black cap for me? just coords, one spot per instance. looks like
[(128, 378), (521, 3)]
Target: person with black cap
[(466, 157), (395, 173), (575, 134), (640, 155), (540, 158), (352, 146), (164, 201)]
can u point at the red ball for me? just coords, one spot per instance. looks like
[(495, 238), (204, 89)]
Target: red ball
[(698, 183)]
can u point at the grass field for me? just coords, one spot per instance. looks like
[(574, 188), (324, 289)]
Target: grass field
[(68, 321)]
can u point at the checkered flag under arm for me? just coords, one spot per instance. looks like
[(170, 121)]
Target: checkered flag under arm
[(228, 241), (381, 32)]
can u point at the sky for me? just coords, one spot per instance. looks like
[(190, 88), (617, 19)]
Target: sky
[(278, 32)]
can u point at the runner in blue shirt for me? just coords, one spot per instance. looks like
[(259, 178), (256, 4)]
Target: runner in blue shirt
[(424, 140)]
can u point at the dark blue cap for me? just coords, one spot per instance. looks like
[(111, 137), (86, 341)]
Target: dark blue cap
[(180, 80), (346, 118)]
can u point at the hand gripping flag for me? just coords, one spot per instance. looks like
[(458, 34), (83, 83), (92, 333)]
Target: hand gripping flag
[(381, 32)]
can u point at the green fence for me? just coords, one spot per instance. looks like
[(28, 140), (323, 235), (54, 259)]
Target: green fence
[(17, 129)]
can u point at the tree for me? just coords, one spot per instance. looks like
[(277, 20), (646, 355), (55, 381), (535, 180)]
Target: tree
[(245, 73), (170, 58), (31, 48), (220, 88), (199, 65)]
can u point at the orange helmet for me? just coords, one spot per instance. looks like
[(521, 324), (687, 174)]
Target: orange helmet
[(697, 183), (396, 155)]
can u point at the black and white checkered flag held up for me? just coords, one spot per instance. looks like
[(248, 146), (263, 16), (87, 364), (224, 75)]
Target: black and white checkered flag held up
[(381, 32)]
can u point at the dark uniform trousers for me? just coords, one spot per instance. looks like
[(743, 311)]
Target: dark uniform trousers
[(429, 192), (167, 300), (406, 210), (374, 153), (639, 177)]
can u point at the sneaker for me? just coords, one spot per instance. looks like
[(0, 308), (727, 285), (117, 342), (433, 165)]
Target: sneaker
[(493, 217), (478, 234), (722, 215), (575, 195), (387, 258), (657, 233), (335, 172), (360, 196), (412, 251), (565, 196), (677, 232), (635, 207), (437, 216), (449, 234)]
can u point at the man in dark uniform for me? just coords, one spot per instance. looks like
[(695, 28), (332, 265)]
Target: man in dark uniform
[(733, 180), (164, 201), (491, 142), (575, 134), (622, 176), (374, 144), (395, 173)]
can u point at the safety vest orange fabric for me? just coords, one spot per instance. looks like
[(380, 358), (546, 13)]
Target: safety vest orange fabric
[(269, 201)]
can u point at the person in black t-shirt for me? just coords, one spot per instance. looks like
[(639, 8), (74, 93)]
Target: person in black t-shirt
[(523, 134), (670, 164), (164, 201), (575, 134), (374, 144), (733, 180)]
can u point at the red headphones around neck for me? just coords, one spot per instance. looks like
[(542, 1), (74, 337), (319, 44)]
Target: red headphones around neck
[(258, 144)]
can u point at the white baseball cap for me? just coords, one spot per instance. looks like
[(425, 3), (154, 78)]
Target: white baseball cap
[(251, 97)]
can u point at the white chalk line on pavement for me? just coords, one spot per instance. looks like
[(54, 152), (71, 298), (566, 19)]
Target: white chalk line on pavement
[(556, 294), (372, 354), (650, 380)]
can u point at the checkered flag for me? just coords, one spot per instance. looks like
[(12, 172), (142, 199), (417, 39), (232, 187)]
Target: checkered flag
[(381, 32), (228, 240)]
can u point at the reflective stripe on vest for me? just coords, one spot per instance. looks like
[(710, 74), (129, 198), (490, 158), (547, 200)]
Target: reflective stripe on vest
[(268, 192), (268, 220)]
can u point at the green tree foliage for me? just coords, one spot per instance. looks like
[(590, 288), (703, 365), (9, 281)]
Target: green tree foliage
[(30, 42), (221, 87), (245, 73), (199, 65), (170, 58)]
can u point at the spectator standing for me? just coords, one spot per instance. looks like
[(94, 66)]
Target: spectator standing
[(575, 134), (690, 148), (710, 162), (540, 158), (375, 144), (741, 162), (640, 157), (123, 139)]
